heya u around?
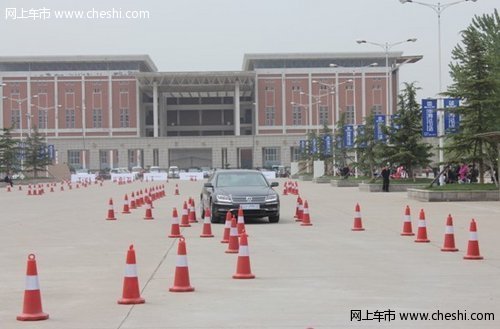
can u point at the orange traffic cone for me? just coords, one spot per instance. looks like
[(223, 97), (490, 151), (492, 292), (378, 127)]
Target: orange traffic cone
[(184, 218), (176, 189), (131, 293), (132, 201), (175, 230), (207, 227), (473, 246), (243, 270), (191, 212), (306, 220), (297, 210), (407, 229), (227, 228), (149, 212), (358, 223), (241, 221), (422, 228), (126, 209), (32, 306), (181, 280), (232, 247), (111, 211), (300, 214), (449, 236)]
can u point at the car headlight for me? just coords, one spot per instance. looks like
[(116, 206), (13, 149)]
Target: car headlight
[(223, 198), (271, 197)]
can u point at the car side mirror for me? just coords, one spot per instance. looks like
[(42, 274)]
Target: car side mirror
[(208, 185), (274, 184)]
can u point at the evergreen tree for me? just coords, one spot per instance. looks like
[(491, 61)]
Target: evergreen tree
[(406, 146), (339, 149), (36, 155), (368, 147), (8, 152), (476, 73)]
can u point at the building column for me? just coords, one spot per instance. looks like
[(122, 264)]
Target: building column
[(110, 104), (56, 108), (111, 159), (363, 96), (155, 109), (237, 108), (28, 110)]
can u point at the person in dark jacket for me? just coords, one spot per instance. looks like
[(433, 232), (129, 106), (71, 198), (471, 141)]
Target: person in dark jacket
[(385, 173), (8, 180)]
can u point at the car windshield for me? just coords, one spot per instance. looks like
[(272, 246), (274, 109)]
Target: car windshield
[(240, 179)]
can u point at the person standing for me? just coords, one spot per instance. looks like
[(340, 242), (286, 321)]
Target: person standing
[(385, 173)]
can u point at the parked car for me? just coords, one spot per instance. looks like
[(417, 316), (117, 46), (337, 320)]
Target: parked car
[(138, 172), (173, 172), (227, 189)]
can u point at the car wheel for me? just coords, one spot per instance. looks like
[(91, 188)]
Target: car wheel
[(275, 218), (214, 219)]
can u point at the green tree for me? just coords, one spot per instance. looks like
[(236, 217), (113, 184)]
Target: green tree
[(405, 142), (368, 147), (339, 149), (36, 156), (8, 151), (476, 74)]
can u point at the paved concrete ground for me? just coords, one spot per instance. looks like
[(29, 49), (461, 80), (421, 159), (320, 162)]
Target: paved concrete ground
[(307, 277)]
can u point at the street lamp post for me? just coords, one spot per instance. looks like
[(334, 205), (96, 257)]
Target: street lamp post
[(438, 9), (387, 46)]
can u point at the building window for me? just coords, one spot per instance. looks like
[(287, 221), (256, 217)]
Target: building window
[(74, 159), (349, 86), (376, 109), (270, 156), (296, 88), (103, 159), (297, 115), (16, 118), (70, 118), (124, 119), (349, 115), (323, 115), (97, 118), (42, 119), (156, 157), (294, 153), (269, 88), (270, 116)]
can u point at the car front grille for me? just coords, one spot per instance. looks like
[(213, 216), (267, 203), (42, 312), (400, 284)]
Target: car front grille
[(248, 199)]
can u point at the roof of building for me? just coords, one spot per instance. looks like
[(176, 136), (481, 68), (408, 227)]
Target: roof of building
[(303, 60), (141, 63)]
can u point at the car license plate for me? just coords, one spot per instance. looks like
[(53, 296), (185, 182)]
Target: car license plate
[(250, 206)]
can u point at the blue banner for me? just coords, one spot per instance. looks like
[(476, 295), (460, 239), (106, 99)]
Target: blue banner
[(314, 146), (360, 134), (302, 146), (451, 118), (379, 122), (327, 145), (394, 126), (429, 118), (52, 151), (348, 136)]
